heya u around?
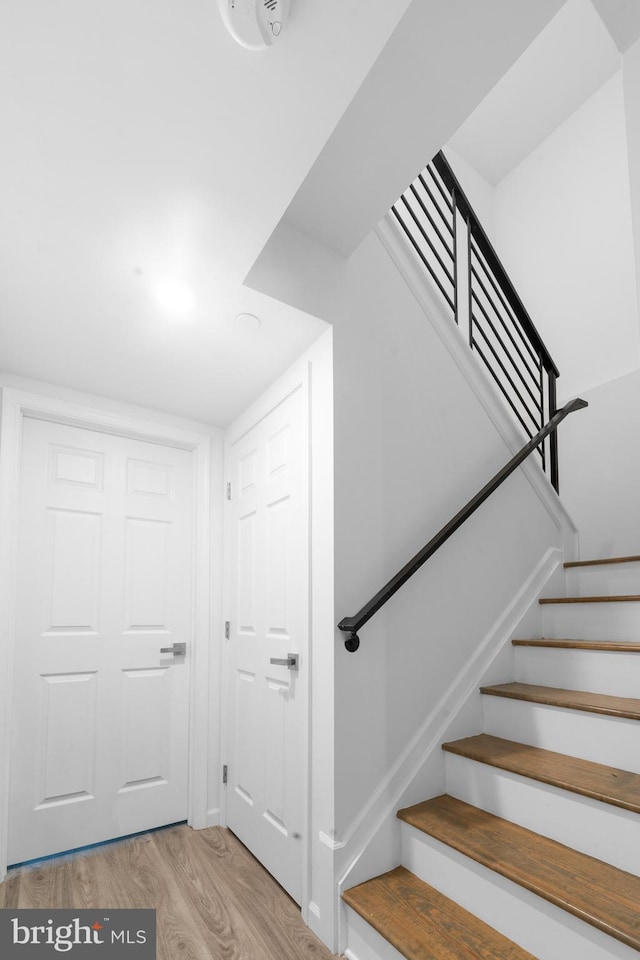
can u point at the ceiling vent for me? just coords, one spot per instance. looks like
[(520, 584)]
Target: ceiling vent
[(254, 24)]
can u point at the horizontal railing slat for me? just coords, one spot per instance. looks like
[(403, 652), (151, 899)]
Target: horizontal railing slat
[(420, 253), (486, 247)]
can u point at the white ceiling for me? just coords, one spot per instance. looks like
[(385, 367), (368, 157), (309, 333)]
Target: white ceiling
[(622, 19), (571, 59), (140, 142), (438, 65)]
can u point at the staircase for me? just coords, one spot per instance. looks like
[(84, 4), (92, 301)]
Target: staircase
[(535, 849)]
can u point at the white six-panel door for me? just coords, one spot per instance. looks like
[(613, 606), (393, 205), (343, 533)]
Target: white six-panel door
[(100, 718), (268, 553)]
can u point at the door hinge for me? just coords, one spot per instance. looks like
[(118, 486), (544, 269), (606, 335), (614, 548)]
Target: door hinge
[(229, 491), (224, 773), (227, 629)]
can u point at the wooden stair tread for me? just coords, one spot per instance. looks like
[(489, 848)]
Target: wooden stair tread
[(423, 924), (607, 784), (572, 699), (617, 645), (595, 563), (625, 598), (594, 891)]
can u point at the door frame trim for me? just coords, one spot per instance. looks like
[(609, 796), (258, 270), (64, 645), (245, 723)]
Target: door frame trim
[(15, 406), (298, 377)]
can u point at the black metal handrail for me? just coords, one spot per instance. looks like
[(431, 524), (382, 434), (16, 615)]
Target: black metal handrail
[(439, 222), (351, 625)]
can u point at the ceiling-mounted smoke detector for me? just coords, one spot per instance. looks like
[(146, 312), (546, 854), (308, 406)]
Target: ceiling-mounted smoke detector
[(255, 24)]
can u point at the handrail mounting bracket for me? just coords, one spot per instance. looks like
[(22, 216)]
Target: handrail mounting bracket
[(352, 642)]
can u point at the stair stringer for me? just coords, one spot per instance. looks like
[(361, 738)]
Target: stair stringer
[(371, 845)]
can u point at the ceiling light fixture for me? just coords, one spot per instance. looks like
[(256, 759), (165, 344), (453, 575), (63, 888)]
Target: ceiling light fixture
[(175, 296), (247, 322), (254, 24)]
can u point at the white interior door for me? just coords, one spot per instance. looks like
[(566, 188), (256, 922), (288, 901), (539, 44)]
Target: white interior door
[(100, 716), (269, 586)]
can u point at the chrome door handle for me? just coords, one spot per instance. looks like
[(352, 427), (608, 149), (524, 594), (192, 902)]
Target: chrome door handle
[(290, 661), (178, 649)]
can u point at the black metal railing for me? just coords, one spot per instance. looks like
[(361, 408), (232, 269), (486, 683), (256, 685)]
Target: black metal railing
[(443, 229), (351, 625)]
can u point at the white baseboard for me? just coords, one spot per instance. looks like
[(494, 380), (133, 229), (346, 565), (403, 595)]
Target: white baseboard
[(314, 920), (314, 909)]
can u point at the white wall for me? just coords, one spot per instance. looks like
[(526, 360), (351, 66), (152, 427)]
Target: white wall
[(412, 445), (480, 193), (566, 223), (600, 469), (600, 454), (436, 66), (563, 230), (568, 61), (631, 81), (567, 226), (321, 916)]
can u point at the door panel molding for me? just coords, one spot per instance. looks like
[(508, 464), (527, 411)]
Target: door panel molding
[(16, 405)]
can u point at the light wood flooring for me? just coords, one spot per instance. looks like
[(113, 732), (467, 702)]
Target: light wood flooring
[(214, 901)]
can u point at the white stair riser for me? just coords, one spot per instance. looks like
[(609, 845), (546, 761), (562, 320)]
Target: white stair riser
[(602, 671), (365, 943), (597, 829), (591, 621), (548, 932), (603, 580), (610, 740)]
